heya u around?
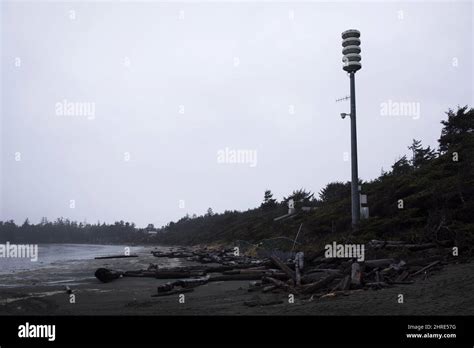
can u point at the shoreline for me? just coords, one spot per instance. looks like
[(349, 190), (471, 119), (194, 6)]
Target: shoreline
[(447, 292)]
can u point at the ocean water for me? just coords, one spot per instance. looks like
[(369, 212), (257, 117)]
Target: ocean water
[(50, 254), (72, 264)]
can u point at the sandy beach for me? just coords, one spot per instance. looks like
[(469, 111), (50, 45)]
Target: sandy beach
[(43, 292)]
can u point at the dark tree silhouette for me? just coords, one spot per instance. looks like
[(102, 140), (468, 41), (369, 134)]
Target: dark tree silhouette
[(420, 155), (335, 191), (401, 166), (458, 129), (268, 200)]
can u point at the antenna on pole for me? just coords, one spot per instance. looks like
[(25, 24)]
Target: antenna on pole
[(342, 99), (351, 59)]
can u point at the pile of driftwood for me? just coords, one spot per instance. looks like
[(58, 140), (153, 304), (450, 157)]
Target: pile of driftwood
[(225, 256), (303, 275), (223, 262)]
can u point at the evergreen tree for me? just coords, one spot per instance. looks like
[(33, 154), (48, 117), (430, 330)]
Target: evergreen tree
[(458, 130), (300, 197), (401, 166), (420, 155), (335, 191), (268, 200)]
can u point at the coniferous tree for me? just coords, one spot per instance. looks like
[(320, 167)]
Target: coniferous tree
[(420, 155), (401, 166), (458, 130), (335, 191), (301, 196), (268, 200)]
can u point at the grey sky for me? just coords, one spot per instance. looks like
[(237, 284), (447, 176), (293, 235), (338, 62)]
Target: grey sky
[(174, 83)]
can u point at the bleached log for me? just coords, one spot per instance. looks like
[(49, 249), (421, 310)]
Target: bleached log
[(404, 275), (375, 241), (356, 275), (250, 276), (191, 283), (291, 274), (380, 263), (114, 257), (176, 275), (315, 276), (269, 288), (346, 283), (299, 260), (310, 288), (401, 245), (425, 268), (378, 277), (297, 274), (323, 270), (412, 247), (278, 283)]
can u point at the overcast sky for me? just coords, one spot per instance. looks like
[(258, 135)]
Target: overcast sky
[(156, 90)]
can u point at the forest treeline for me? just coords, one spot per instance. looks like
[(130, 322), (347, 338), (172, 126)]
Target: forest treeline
[(67, 231), (427, 195)]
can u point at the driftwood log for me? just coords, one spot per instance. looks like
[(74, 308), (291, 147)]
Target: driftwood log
[(248, 276), (356, 274), (380, 263), (107, 275), (425, 268), (114, 257), (344, 284), (262, 302), (291, 274), (310, 288), (278, 283), (172, 292)]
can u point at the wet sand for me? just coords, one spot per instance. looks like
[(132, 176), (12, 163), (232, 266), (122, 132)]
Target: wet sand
[(448, 292)]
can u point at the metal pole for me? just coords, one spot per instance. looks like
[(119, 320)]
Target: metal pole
[(355, 176)]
